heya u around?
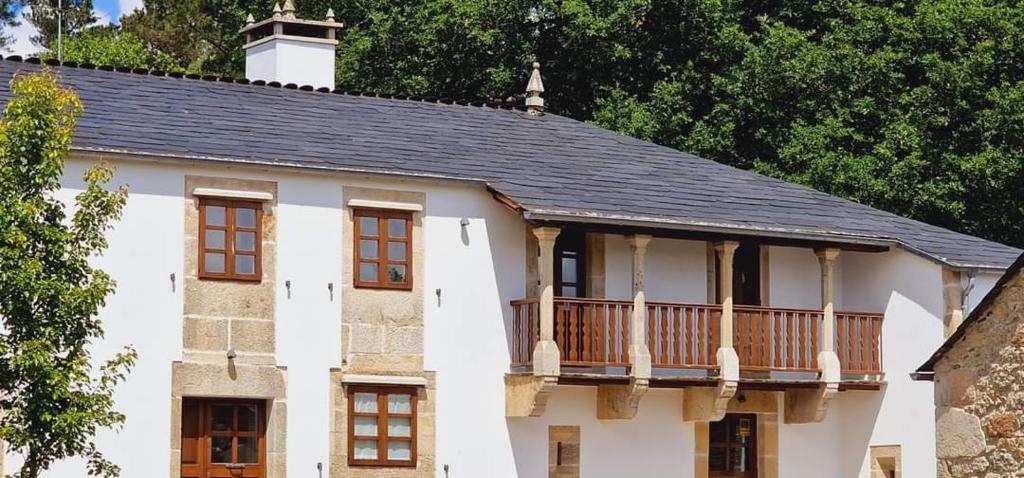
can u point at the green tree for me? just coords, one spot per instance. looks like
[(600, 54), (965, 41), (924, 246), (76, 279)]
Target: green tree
[(106, 45), (8, 18), (53, 400), (77, 15)]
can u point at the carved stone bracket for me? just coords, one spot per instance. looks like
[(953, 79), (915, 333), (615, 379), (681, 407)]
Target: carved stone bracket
[(527, 395), (618, 402), (811, 406), (709, 404)]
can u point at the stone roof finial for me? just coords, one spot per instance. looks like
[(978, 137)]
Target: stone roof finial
[(288, 9), (534, 103), (249, 20), (277, 10), (330, 15)]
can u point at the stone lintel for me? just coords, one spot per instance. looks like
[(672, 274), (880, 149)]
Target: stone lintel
[(527, 395), (618, 402)]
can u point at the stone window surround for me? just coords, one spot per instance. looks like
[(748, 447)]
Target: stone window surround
[(223, 315), (886, 458)]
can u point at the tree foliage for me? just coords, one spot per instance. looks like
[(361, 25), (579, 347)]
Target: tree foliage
[(54, 400), (42, 14), (8, 19), (908, 106), (107, 45)]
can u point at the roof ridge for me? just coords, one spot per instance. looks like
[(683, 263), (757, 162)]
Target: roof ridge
[(426, 99)]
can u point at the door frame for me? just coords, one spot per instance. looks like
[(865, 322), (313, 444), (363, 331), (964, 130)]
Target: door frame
[(203, 468)]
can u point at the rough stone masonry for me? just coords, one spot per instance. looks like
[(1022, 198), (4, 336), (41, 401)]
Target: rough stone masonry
[(979, 392)]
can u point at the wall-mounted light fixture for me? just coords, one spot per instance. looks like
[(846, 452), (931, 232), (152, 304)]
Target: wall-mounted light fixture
[(288, 288)]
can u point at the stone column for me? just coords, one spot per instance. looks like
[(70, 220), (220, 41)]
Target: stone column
[(616, 402), (726, 250), (709, 404), (546, 359), (827, 260), (639, 355), (811, 405), (953, 301)]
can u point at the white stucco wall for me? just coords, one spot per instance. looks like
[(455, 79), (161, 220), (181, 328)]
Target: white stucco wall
[(675, 270), (657, 443)]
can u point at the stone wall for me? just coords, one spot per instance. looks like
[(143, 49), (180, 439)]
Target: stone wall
[(978, 395)]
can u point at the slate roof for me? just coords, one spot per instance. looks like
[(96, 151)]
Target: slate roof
[(551, 166)]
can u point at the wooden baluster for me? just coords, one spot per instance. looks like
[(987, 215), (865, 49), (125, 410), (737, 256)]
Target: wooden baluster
[(573, 352), (625, 313), (598, 321), (815, 319), (709, 347), (802, 361), (791, 320), (844, 342), (560, 330), (876, 344), (666, 335), (766, 344), (688, 342), (677, 332), (777, 326), (865, 342)]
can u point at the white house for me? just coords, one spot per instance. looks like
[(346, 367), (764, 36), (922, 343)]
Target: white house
[(341, 285)]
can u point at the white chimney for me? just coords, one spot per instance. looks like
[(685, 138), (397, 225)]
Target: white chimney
[(287, 50)]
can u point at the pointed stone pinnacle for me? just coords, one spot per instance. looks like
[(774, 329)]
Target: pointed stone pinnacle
[(330, 15), (534, 103), (288, 9), (277, 10), (249, 20)]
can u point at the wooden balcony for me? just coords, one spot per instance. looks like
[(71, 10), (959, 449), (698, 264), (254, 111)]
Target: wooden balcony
[(594, 333)]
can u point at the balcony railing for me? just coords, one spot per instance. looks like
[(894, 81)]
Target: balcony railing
[(595, 333)]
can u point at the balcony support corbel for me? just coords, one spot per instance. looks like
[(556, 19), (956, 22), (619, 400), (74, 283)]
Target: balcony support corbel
[(709, 404), (525, 395), (616, 402), (811, 406)]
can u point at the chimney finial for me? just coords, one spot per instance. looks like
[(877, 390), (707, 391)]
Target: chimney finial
[(277, 10), (289, 9), (534, 103), (330, 15), (249, 20)]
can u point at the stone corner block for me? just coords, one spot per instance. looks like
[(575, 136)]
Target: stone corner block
[(958, 434)]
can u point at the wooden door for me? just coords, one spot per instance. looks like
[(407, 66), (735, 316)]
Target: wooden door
[(733, 446), (571, 263), (223, 438)]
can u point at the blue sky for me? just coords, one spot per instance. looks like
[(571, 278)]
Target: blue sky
[(107, 10)]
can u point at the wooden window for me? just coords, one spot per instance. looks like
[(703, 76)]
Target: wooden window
[(381, 426), (732, 445), (230, 234), (383, 249), (223, 437)]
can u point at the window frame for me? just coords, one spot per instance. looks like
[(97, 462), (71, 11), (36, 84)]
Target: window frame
[(383, 237), (230, 229), (201, 443), (382, 415)]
